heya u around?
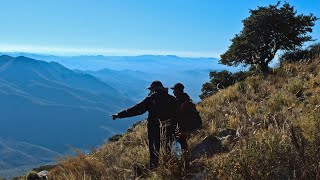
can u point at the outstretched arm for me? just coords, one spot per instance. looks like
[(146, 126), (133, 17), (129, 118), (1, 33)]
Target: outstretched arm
[(137, 109)]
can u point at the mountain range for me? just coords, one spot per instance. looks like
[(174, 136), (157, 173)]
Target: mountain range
[(131, 74), (50, 104), (18, 153)]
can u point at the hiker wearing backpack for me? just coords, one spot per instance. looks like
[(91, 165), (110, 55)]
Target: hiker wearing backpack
[(162, 109), (188, 118)]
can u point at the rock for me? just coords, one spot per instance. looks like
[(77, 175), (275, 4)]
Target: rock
[(200, 176), (43, 174), (211, 145), (228, 138), (32, 175), (115, 138), (215, 144), (226, 132), (208, 147), (228, 142)]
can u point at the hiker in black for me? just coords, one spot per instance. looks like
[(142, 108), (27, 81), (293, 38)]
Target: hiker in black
[(182, 97), (178, 91), (162, 109)]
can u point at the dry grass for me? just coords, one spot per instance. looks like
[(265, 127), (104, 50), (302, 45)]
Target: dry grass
[(279, 123), (277, 118)]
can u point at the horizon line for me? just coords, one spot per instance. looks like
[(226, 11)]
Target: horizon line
[(66, 51)]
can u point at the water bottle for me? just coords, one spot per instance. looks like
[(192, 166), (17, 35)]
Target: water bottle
[(176, 149)]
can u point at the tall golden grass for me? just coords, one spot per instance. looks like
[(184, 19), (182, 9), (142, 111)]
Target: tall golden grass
[(277, 118)]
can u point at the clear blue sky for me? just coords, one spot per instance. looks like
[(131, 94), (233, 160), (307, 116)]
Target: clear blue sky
[(129, 27)]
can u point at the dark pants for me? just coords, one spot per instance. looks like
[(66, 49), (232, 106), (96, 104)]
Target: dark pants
[(154, 136), (184, 144), (183, 140)]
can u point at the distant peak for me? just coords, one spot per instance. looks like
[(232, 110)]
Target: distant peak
[(173, 56), (6, 57), (27, 60), (24, 58), (150, 55), (105, 70)]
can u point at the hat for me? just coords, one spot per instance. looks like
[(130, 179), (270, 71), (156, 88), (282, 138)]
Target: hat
[(178, 86), (155, 85)]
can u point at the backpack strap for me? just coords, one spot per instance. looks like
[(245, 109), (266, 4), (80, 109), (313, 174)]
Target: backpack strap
[(187, 104)]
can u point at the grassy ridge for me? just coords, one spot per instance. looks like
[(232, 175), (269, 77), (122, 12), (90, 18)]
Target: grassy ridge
[(277, 118)]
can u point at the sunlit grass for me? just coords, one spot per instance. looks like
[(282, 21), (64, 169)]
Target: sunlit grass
[(277, 119)]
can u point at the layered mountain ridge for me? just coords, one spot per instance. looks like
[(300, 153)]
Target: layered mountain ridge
[(49, 105)]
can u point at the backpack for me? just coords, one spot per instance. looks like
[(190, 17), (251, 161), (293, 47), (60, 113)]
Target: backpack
[(190, 117)]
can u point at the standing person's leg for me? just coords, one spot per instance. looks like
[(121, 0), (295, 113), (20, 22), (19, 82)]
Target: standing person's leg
[(154, 145), (169, 137), (183, 141), (185, 152)]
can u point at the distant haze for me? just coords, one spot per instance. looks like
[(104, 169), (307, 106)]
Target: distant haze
[(170, 69)]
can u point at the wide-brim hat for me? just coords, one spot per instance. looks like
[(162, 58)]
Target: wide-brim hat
[(156, 85), (178, 86)]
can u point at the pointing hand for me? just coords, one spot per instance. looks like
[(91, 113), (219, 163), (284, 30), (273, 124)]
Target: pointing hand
[(114, 116)]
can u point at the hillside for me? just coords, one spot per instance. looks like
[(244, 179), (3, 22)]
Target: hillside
[(277, 123)]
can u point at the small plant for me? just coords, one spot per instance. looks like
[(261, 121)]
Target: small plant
[(278, 101), (295, 86), (242, 87)]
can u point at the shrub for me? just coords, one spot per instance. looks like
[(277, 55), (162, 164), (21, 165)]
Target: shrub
[(222, 80), (298, 55), (294, 56)]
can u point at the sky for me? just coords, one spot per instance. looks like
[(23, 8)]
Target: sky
[(187, 28)]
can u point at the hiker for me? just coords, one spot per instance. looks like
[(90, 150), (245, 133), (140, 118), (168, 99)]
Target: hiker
[(181, 96), (178, 91), (188, 118), (162, 109)]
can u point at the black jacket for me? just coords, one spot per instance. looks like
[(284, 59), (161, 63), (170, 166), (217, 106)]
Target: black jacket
[(183, 98), (183, 110), (160, 105)]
